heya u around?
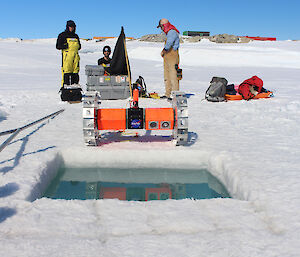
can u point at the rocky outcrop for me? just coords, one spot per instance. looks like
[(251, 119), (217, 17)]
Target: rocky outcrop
[(245, 40), (193, 39), (220, 38), (224, 38), (154, 38)]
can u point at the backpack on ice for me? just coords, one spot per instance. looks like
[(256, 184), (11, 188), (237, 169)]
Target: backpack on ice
[(141, 86), (71, 94), (250, 87), (217, 90)]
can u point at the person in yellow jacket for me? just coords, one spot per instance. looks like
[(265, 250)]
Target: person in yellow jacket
[(68, 42)]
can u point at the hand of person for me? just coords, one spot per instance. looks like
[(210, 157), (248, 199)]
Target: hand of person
[(163, 53)]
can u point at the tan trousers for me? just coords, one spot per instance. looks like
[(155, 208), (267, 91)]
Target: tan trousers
[(170, 74)]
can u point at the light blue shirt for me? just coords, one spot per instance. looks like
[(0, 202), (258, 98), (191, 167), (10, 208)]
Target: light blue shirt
[(172, 40)]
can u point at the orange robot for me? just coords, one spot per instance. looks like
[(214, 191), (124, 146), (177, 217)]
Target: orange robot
[(96, 119)]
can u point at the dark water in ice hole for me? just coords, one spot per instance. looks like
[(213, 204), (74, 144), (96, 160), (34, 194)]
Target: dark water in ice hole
[(134, 184)]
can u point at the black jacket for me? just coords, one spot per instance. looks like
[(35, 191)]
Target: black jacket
[(102, 60), (61, 42)]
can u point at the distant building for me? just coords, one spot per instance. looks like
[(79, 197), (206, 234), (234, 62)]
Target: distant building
[(196, 33)]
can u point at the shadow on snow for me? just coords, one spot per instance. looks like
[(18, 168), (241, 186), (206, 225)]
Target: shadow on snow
[(21, 153), (6, 212), (8, 189)]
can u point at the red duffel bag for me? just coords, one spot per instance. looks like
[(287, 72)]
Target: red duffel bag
[(250, 87)]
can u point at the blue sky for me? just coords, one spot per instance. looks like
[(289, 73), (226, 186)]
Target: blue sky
[(46, 19)]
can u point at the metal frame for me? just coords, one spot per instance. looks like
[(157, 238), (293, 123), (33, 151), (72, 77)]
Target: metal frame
[(91, 105)]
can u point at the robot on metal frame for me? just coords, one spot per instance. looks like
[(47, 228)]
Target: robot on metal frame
[(96, 119)]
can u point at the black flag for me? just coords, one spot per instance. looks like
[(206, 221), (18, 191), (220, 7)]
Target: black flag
[(119, 64)]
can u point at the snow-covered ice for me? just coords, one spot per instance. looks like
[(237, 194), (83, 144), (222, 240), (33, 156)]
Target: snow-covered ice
[(252, 147)]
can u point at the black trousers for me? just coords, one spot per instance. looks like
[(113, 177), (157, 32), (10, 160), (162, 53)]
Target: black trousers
[(71, 78)]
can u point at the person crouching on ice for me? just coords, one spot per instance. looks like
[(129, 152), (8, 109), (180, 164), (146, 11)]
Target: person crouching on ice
[(171, 57), (69, 44)]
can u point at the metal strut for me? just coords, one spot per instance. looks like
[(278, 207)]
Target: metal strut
[(179, 104), (91, 101)]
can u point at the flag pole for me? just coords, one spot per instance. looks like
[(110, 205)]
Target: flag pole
[(128, 69)]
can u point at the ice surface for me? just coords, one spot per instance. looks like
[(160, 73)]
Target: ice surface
[(252, 147)]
